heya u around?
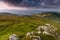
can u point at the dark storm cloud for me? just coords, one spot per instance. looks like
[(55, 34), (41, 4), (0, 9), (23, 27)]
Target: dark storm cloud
[(33, 3), (23, 2), (14, 2)]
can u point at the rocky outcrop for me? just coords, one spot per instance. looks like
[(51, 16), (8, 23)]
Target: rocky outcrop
[(13, 37), (48, 29)]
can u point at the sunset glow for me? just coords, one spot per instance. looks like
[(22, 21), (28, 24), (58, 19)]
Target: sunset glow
[(5, 6)]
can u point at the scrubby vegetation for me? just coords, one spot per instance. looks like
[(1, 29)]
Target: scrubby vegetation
[(20, 25)]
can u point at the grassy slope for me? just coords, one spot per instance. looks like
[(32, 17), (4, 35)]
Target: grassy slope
[(23, 24)]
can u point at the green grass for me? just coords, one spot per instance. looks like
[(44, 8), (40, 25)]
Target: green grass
[(20, 25)]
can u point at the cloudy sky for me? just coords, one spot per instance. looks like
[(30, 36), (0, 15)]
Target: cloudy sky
[(29, 4), (24, 4), (4, 5)]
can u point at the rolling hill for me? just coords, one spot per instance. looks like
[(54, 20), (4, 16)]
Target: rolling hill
[(20, 25)]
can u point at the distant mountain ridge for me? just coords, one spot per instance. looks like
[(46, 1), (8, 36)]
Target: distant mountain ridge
[(7, 13), (48, 14), (33, 14)]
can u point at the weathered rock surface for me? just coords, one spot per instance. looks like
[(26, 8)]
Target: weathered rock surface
[(45, 30)]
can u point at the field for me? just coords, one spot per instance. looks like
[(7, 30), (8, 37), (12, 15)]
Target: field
[(20, 25)]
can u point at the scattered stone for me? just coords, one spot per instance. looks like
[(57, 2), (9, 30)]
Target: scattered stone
[(41, 28), (46, 33), (48, 29), (13, 37), (39, 32), (36, 38), (28, 34)]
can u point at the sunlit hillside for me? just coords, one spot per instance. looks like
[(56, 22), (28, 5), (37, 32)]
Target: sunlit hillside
[(20, 25)]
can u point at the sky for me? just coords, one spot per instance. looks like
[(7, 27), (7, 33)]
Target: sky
[(26, 4), (29, 5), (5, 6)]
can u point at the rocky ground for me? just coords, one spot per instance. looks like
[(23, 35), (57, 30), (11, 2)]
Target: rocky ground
[(48, 30)]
